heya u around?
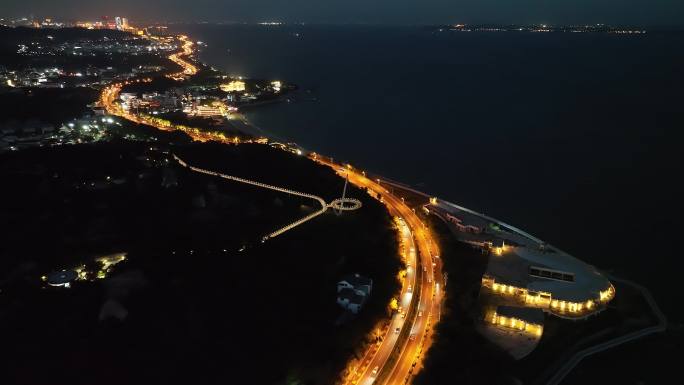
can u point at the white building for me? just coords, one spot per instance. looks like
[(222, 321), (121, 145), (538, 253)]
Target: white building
[(350, 300), (525, 269), (548, 279), (360, 284), (352, 292)]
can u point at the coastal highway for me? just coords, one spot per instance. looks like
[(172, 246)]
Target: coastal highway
[(399, 355), (110, 95), (399, 358), (186, 51), (369, 369)]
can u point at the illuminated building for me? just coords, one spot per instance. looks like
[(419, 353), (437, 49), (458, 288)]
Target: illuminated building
[(207, 111), (234, 86), (526, 320), (121, 23), (550, 280), (352, 292), (525, 270)]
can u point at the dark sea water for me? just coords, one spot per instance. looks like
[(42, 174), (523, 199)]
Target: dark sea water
[(576, 138)]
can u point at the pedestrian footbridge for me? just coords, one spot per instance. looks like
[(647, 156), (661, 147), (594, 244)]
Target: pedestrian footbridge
[(339, 205)]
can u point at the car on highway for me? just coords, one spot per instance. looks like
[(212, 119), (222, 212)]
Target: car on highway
[(397, 330), (375, 370), (420, 314), (410, 288)]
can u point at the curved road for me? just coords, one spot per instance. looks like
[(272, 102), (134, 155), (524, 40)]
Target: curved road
[(399, 355), (397, 359)]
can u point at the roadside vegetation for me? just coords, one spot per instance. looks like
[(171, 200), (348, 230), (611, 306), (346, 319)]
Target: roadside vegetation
[(459, 354)]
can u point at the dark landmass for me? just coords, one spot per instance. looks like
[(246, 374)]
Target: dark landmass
[(55, 48), (11, 37), (50, 105), (199, 310), (59, 34)]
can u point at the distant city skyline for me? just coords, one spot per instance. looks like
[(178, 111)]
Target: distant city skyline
[(622, 12)]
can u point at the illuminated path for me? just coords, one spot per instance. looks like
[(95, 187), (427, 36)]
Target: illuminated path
[(344, 204)]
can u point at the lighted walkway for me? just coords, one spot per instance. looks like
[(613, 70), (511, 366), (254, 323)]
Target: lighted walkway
[(337, 203)]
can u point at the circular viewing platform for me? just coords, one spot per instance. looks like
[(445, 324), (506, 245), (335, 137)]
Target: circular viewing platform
[(346, 204)]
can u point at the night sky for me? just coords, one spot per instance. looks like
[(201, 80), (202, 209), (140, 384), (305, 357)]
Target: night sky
[(634, 12)]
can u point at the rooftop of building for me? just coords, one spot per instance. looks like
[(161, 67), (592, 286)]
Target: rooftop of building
[(523, 251), (351, 295), (513, 267), (357, 280)]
